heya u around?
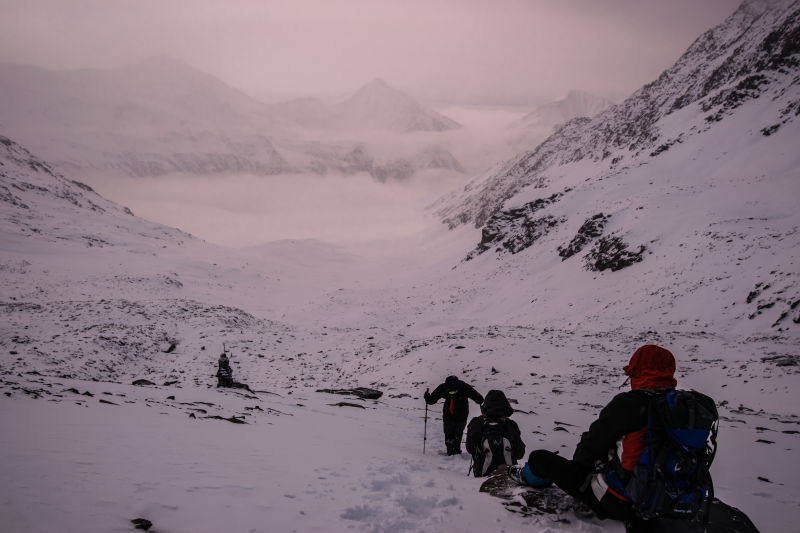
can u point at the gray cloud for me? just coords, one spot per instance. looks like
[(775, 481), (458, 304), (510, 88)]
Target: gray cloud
[(501, 51)]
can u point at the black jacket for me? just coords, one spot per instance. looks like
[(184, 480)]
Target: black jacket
[(625, 414), (455, 405)]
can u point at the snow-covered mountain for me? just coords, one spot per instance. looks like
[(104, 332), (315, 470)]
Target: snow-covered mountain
[(39, 201), (692, 170), (540, 123), (162, 116), (542, 300), (751, 55), (149, 119)]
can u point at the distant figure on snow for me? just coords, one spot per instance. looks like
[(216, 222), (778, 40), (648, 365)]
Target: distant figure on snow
[(493, 438), (456, 409), (224, 372)]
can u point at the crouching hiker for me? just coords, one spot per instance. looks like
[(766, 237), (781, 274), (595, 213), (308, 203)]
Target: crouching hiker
[(628, 466), (225, 375), (224, 372), (493, 438), (456, 409)]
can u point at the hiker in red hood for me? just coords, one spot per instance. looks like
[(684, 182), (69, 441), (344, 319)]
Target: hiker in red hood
[(456, 409), (615, 436)]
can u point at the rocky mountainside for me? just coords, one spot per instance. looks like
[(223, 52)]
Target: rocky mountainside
[(162, 116), (540, 123), (752, 55), (682, 191), (38, 201)]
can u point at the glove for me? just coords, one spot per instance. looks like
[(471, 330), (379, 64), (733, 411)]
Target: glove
[(427, 395)]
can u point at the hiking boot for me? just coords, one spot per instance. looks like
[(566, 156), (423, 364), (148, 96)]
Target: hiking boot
[(524, 476), (515, 473)]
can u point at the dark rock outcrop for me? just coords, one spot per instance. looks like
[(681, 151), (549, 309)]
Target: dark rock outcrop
[(612, 253), (514, 230), (590, 230), (363, 393)]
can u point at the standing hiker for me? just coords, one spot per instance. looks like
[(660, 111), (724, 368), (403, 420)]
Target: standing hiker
[(493, 438), (604, 469), (455, 411)]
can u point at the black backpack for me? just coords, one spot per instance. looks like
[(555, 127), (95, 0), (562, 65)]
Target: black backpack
[(495, 448), (672, 477)]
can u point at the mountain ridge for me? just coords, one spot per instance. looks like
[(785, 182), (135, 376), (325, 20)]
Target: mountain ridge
[(716, 62), (162, 116)]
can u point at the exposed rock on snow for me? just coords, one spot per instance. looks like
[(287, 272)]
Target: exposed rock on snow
[(142, 523), (363, 393), (612, 253), (514, 230), (590, 230)]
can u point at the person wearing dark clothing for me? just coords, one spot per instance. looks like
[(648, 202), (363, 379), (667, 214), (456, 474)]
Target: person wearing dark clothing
[(224, 372), (496, 411), (616, 435), (455, 411)]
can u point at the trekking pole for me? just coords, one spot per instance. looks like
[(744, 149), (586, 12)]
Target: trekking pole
[(425, 434), (471, 459)]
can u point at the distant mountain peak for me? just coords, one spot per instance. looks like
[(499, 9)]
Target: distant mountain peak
[(376, 83), (381, 106)]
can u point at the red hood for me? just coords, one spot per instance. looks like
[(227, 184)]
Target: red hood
[(651, 367)]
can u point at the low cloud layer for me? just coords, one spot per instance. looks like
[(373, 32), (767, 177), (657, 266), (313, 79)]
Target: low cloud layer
[(243, 210)]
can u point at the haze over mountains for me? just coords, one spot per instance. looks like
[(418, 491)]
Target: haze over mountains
[(537, 125), (670, 218), (162, 116)]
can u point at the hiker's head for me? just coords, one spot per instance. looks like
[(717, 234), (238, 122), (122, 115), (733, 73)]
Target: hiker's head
[(496, 405), (651, 367), (451, 381)]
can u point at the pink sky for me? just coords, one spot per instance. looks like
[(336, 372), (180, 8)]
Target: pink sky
[(469, 51)]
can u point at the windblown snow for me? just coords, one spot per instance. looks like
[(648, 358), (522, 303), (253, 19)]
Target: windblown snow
[(559, 264)]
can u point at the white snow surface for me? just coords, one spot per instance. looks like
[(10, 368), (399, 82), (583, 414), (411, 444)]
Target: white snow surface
[(94, 298)]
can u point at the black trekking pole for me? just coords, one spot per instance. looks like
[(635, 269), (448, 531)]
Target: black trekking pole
[(425, 435), (471, 459)]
